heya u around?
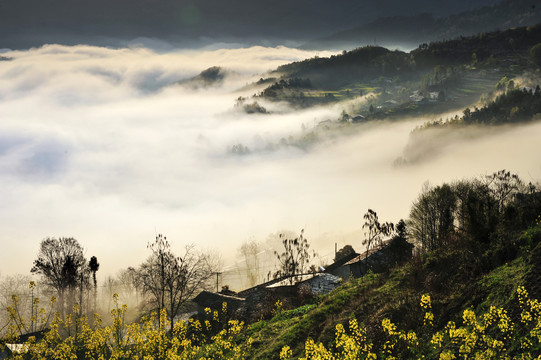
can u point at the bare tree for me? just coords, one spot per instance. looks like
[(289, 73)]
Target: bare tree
[(154, 272), (130, 283), (503, 186), (10, 286), (170, 280), (250, 250), (110, 287), (375, 232), (294, 259)]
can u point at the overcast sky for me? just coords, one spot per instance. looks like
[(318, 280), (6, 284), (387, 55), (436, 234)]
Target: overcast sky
[(189, 23)]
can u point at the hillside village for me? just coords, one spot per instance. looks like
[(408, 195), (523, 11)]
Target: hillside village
[(296, 290)]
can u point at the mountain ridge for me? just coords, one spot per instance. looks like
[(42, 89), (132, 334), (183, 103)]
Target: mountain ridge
[(411, 30)]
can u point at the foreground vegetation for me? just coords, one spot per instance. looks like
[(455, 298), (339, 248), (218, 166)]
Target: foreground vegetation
[(479, 239), (492, 335), (75, 338), (468, 293)]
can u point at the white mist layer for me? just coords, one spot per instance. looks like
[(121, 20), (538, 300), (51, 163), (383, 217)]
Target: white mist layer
[(94, 145)]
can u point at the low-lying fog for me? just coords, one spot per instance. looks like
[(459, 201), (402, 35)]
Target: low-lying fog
[(100, 145)]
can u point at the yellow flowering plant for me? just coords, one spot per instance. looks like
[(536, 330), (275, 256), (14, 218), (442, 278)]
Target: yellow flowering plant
[(491, 336), (74, 338)]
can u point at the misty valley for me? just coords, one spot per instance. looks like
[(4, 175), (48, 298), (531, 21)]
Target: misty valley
[(266, 197)]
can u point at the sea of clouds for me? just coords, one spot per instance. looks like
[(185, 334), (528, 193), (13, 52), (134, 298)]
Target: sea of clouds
[(103, 145)]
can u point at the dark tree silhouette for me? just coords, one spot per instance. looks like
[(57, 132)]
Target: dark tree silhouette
[(432, 217), (61, 264), (504, 186), (343, 252), (94, 266), (399, 248), (294, 260), (375, 232)]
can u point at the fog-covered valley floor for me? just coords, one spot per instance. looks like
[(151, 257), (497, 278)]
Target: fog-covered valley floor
[(102, 145)]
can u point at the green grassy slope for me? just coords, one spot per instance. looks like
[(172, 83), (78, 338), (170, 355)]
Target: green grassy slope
[(457, 277)]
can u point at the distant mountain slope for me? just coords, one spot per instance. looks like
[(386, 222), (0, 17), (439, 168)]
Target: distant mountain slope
[(433, 78), (407, 31), (410, 30), (33, 22), (503, 45), (359, 64), (374, 61)]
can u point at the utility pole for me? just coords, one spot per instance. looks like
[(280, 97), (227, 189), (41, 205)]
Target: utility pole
[(217, 274)]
